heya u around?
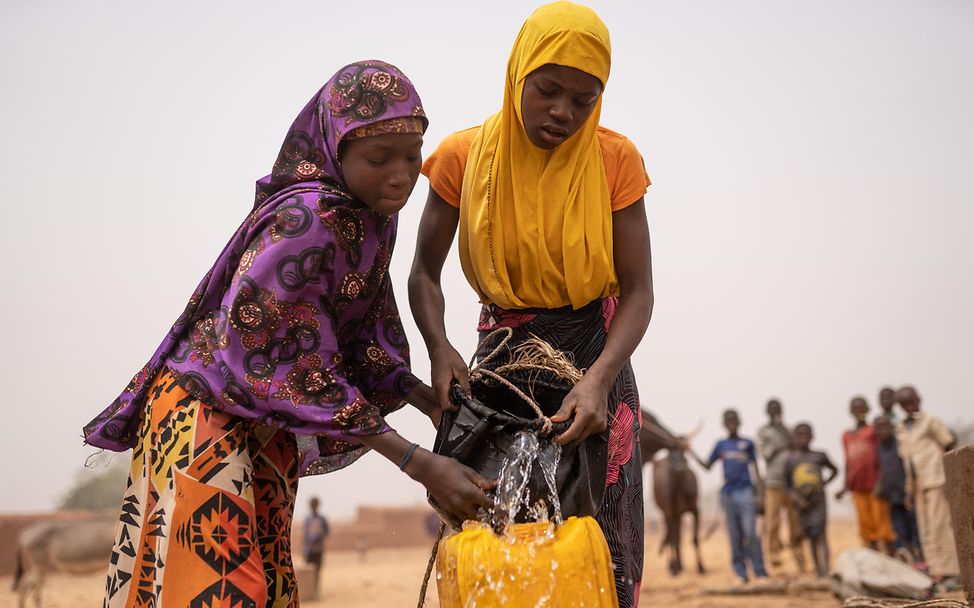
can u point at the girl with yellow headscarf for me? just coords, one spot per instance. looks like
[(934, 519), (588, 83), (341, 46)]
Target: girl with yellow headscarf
[(555, 242)]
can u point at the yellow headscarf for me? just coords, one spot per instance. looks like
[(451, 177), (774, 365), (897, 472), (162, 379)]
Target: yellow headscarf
[(536, 225)]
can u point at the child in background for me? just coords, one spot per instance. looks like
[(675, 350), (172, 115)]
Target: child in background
[(774, 443), (923, 439), (861, 475), (887, 401), (892, 489), (737, 496), (807, 485), (316, 530)]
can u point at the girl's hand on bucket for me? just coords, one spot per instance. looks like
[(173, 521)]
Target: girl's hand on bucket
[(588, 402), (447, 365), (423, 399), (456, 488)]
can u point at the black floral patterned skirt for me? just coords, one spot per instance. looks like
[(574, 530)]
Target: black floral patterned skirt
[(581, 334)]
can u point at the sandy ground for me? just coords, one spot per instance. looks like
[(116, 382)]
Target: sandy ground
[(391, 577)]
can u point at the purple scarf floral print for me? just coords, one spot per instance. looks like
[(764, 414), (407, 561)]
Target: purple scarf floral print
[(296, 324)]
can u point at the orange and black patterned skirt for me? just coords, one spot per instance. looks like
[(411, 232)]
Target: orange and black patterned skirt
[(206, 516)]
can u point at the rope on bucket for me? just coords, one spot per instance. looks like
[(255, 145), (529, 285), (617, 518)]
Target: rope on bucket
[(534, 354), (429, 566)]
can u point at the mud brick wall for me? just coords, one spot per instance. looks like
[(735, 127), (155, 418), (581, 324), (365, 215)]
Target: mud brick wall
[(380, 527), (959, 466)]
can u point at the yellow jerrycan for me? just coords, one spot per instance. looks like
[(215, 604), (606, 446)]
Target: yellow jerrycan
[(534, 565)]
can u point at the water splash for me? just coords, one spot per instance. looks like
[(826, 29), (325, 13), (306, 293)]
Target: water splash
[(512, 498), (548, 458), (513, 493), (513, 479), (538, 511)]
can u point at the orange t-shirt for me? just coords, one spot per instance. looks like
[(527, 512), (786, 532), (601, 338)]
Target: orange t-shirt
[(624, 167)]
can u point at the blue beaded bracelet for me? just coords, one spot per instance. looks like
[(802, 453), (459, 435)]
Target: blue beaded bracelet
[(407, 456)]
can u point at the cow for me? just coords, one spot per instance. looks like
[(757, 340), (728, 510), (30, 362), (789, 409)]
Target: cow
[(654, 437), (72, 547), (674, 487)]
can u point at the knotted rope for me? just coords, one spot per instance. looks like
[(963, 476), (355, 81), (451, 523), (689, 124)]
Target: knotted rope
[(535, 354)]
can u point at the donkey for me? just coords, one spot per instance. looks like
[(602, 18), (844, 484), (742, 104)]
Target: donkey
[(73, 547)]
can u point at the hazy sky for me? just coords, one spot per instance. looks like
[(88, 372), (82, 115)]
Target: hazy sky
[(812, 200)]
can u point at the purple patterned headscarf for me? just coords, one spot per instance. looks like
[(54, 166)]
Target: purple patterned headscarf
[(296, 324), (358, 96)]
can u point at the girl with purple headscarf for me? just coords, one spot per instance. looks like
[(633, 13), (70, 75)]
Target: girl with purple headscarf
[(284, 363)]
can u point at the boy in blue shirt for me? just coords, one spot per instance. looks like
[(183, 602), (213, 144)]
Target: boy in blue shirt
[(737, 496)]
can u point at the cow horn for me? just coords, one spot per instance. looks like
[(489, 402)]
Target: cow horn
[(694, 432)]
